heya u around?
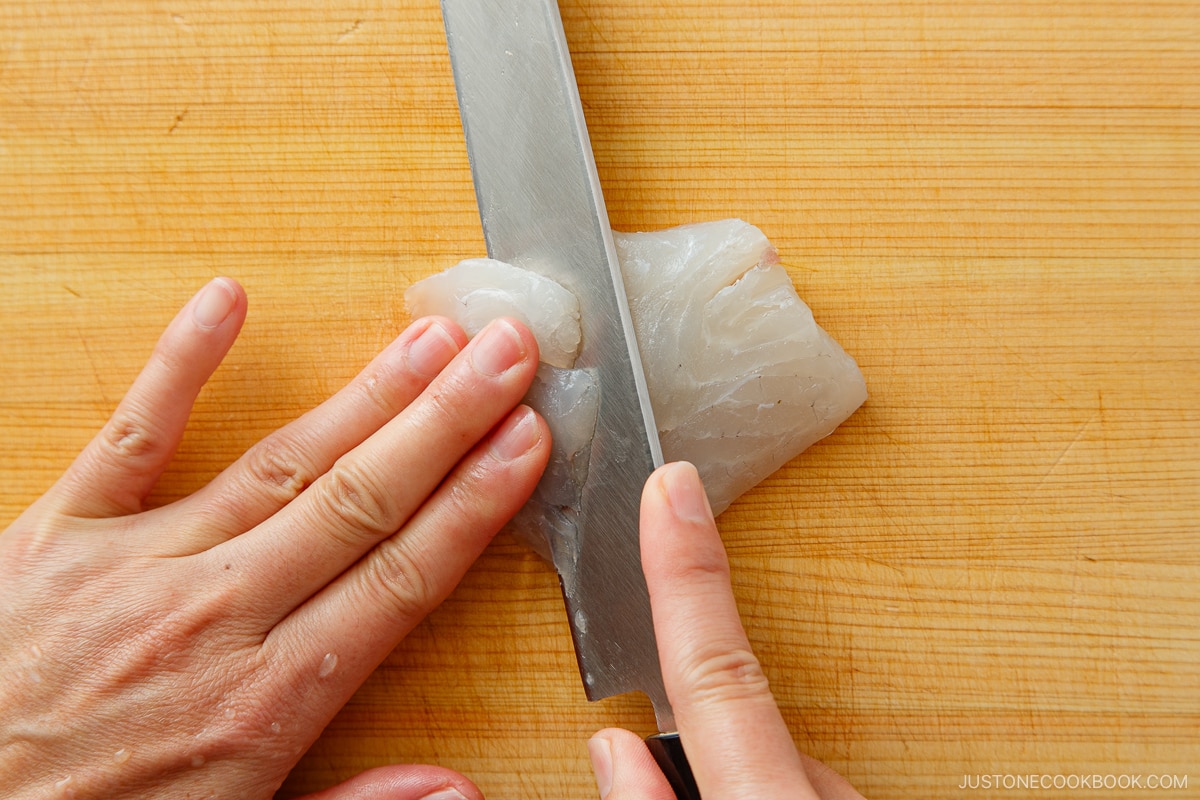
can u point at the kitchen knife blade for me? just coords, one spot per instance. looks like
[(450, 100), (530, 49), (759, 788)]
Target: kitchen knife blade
[(542, 209)]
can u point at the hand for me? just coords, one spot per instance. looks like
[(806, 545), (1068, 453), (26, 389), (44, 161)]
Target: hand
[(198, 649), (735, 738)]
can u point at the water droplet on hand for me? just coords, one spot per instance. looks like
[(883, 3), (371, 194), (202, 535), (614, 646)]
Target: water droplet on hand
[(65, 787), (328, 665), (121, 756)]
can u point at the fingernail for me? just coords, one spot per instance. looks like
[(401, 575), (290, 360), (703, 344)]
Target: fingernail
[(214, 304), (517, 435), (430, 352), (600, 752), (448, 793), (685, 493), (497, 348)]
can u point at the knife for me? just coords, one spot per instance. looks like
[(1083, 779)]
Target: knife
[(542, 209)]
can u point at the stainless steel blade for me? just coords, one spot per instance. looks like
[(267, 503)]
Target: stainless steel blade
[(542, 209)]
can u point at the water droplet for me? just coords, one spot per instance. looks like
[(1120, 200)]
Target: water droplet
[(65, 787), (275, 727), (121, 756), (589, 679), (328, 665), (581, 621), (197, 760), (35, 652), (229, 712)]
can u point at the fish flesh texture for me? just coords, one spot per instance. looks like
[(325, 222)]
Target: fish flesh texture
[(476, 291), (740, 376)]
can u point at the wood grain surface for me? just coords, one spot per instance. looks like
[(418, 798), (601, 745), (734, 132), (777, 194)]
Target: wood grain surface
[(993, 568)]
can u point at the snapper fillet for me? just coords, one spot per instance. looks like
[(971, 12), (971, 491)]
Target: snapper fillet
[(741, 377)]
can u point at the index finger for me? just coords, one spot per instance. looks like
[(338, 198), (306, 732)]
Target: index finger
[(735, 738)]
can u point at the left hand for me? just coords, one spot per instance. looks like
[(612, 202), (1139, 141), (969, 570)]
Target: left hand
[(198, 649)]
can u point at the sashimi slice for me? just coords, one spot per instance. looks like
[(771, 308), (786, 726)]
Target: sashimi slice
[(569, 400), (476, 291)]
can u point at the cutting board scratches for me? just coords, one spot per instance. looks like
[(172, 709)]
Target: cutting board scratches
[(1062, 455), (348, 32), (179, 118)]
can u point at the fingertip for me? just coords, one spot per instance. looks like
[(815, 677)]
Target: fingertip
[(403, 782), (451, 328), (600, 752), (678, 531), (685, 493), (624, 768), (216, 302), (520, 433), (526, 336), (503, 344), (432, 343)]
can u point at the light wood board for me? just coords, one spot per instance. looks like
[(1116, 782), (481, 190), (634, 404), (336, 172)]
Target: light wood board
[(993, 568)]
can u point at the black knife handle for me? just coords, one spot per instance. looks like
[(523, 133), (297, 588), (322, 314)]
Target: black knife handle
[(668, 752)]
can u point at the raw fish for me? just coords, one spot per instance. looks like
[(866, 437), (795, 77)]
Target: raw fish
[(741, 377), (476, 291), (569, 400)]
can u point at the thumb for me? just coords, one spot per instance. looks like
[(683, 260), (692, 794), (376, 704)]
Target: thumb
[(402, 782), (624, 768)]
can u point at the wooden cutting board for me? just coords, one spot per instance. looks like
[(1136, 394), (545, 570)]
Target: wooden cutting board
[(992, 569)]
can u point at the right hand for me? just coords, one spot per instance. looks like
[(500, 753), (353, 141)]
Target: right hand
[(736, 740)]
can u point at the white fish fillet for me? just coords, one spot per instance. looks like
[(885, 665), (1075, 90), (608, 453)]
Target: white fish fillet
[(741, 377)]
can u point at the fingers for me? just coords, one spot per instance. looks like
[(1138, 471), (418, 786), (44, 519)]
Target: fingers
[(277, 469), (735, 738), (367, 611), (367, 494), (402, 782), (119, 467), (624, 768)]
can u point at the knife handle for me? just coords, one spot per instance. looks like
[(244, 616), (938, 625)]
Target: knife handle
[(668, 752)]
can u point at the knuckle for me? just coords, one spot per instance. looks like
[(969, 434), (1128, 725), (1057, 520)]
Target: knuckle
[(394, 575), (356, 501), (128, 437), (726, 675), (274, 466), (468, 499)]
